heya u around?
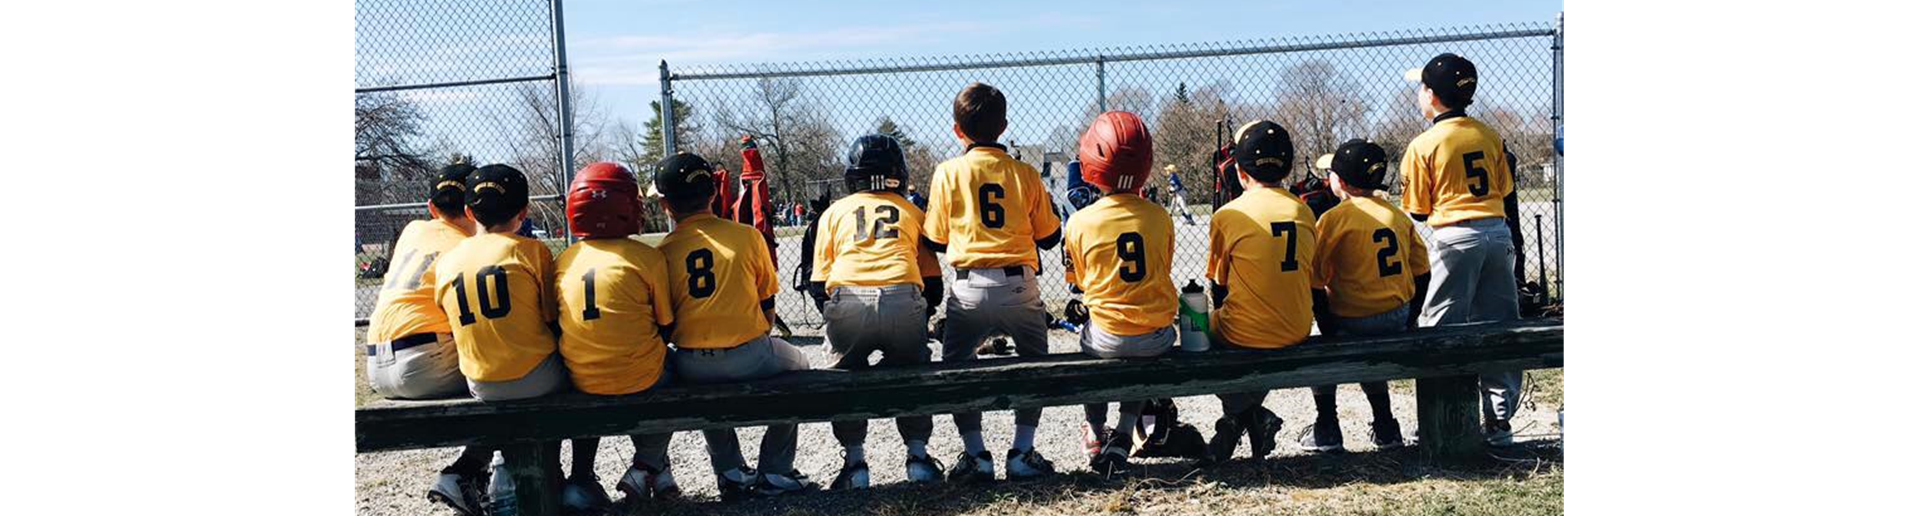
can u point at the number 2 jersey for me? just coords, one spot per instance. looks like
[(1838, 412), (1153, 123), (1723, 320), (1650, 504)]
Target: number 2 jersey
[(721, 279), (1261, 247), (871, 239), (613, 299), (988, 209), (1120, 253), (1455, 171), (496, 291), (1368, 254), (406, 305)]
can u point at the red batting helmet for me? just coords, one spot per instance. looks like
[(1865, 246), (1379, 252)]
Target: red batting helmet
[(603, 202), (1116, 153)]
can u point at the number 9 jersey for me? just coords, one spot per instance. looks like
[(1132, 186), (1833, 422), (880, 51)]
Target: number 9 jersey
[(1120, 253)]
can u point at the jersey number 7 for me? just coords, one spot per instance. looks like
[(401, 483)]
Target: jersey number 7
[(1292, 231)]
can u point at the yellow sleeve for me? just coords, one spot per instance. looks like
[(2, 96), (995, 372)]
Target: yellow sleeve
[(763, 272), (923, 258), (1219, 250), (654, 270), (1326, 238), (823, 247), (1040, 207), (544, 272), (1416, 196), (1072, 256), (1416, 251), (935, 227)]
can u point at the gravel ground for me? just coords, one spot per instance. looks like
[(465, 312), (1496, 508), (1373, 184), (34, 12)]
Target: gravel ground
[(394, 483)]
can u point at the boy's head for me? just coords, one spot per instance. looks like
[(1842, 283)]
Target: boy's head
[(1447, 83), (603, 202), (1263, 151), (685, 183), (1359, 167), (876, 163), (447, 196), (979, 113), (497, 197), (1116, 153)]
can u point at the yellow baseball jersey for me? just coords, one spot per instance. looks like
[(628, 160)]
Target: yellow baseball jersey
[(1368, 253), (719, 273), (988, 208), (870, 240), (497, 290), (405, 306), (1261, 247), (613, 299), (1120, 253), (1455, 171)]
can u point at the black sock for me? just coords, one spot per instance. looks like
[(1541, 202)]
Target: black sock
[(1096, 415), (1381, 401), (583, 454), (1324, 404)]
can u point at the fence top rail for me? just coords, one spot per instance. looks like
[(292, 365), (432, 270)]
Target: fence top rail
[(422, 205), (1115, 54)]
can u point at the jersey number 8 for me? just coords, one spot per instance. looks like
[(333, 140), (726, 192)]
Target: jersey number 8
[(700, 280)]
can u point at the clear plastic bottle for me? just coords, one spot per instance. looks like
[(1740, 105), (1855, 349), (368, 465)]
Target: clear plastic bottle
[(1193, 318), (501, 500)]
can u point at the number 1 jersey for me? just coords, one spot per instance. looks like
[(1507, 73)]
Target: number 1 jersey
[(613, 299)]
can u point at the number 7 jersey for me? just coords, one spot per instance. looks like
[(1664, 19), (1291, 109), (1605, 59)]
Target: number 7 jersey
[(1261, 247)]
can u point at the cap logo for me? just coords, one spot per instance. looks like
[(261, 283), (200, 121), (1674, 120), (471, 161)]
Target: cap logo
[(1268, 161), (697, 174), (489, 185), (450, 184), (1377, 167), (1463, 82), (598, 194)]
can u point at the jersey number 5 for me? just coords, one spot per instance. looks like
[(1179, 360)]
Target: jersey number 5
[(1292, 232), (1387, 253), (1132, 250), (1476, 174), (992, 215), (494, 304), (700, 281)]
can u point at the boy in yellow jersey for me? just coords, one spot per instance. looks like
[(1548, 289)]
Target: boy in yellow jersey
[(991, 215), (412, 355), (871, 268), (613, 308), (1456, 174), (1369, 266), (1119, 256), (1260, 250), (496, 288), (722, 284)]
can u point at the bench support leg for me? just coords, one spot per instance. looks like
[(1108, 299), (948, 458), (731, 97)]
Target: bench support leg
[(1449, 409), (534, 479)]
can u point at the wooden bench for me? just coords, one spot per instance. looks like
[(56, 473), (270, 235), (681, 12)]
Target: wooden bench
[(1444, 362)]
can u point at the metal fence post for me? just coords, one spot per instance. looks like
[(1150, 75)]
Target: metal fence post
[(666, 108), (1100, 73), (1559, 162), (564, 102)]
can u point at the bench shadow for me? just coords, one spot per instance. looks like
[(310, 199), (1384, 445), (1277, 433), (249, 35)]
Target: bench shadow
[(1318, 471), (805, 340)]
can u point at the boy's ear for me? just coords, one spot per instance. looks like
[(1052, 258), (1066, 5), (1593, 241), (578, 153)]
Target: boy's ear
[(957, 133)]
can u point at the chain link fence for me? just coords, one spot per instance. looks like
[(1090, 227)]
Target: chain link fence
[(1323, 89), (438, 81)]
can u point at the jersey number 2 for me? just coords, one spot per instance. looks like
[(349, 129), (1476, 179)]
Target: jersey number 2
[(1292, 232), (1132, 250), (1387, 268), (494, 302)]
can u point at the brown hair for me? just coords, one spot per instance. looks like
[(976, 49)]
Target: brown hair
[(981, 112)]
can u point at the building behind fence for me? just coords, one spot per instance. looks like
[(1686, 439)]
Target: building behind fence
[(1324, 90)]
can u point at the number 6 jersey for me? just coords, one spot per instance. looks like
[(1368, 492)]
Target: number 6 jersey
[(988, 209), (1120, 254)]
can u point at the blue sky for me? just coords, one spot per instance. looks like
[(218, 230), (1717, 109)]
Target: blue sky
[(615, 46)]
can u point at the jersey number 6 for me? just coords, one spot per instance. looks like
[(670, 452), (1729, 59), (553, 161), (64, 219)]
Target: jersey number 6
[(992, 215)]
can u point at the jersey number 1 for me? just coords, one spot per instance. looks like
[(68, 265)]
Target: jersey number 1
[(592, 311)]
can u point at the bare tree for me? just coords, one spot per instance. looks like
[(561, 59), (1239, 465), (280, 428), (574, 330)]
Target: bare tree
[(1183, 134), (535, 118), (796, 138), (1320, 106), (388, 163)]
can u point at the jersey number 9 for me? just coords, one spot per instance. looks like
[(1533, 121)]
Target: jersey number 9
[(1132, 250)]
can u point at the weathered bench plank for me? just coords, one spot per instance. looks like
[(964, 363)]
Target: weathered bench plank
[(991, 384)]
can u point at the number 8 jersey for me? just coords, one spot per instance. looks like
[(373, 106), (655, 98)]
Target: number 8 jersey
[(722, 280), (497, 290)]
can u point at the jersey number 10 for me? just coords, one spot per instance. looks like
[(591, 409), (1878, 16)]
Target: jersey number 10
[(490, 284)]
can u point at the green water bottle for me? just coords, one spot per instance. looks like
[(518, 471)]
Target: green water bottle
[(1193, 318)]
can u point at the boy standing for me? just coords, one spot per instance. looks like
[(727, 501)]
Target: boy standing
[(1179, 190)]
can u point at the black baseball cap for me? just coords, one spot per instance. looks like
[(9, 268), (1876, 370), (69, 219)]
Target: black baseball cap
[(449, 187), (1263, 150), (684, 175), (1452, 78), (496, 191), (1361, 163)]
